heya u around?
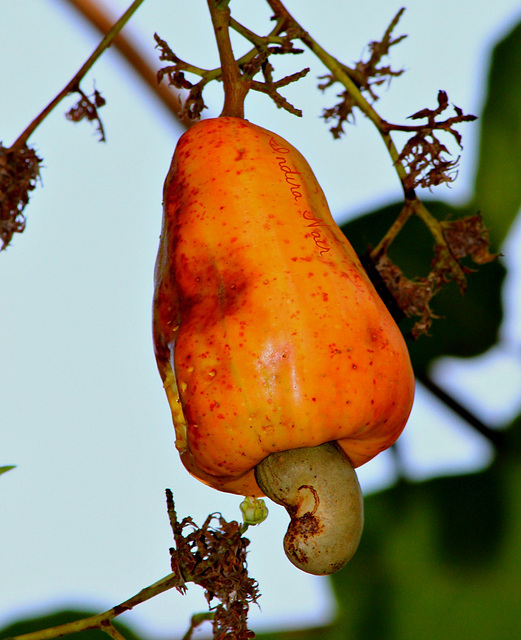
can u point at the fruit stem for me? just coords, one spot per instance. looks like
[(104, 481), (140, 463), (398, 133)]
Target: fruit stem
[(235, 86)]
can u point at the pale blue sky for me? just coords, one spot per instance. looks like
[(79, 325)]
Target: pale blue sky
[(83, 413)]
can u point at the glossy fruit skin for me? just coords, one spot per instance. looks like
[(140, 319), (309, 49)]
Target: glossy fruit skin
[(268, 333)]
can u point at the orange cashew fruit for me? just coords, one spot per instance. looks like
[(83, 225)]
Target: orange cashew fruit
[(270, 337)]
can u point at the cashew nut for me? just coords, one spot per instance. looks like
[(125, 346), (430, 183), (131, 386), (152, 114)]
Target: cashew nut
[(320, 491)]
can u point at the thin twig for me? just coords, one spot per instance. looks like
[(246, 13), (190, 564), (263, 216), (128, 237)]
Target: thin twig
[(96, 15), (73, 84), (383, 246), (197, 620), (102, 620), (342, 74), (111, 630), (495, 437)]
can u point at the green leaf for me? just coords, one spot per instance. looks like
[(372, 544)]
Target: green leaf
[(7, 468), (38, 623), (468, 324), (313, 633), (438, 559), (498, 185)]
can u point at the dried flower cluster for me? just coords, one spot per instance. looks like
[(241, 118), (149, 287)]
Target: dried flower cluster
[(426, 158), (250, 65), (413, 297), (465, 238), (19, 174), (367, 75), (214, 557), (468, 237), (193, 104)]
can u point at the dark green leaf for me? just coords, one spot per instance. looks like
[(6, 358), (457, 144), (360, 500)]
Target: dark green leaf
[(438, 559), (315, 633), (470, 513), (498, 185), (37, 623)]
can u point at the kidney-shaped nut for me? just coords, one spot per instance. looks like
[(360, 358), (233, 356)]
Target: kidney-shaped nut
[(319, 489)]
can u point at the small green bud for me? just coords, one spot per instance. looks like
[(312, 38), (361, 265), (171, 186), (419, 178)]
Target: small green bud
[(254, 510)]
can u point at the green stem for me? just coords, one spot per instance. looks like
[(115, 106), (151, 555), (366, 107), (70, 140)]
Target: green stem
[(102, 620), (196, 621), (259, 41), (341, 74), (112, 631), (73, 84), (430, 222), (383, 246)]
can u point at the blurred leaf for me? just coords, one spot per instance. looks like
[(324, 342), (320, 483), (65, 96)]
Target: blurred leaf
[(467, 325), (7, 468), (315, 633), (438, 559), (470, 515), (498, 185), (38, 623)]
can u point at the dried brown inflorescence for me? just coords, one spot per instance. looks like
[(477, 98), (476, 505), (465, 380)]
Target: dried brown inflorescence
[(87, 109), (367, 75), (250, 65), (427, 160), (214, 557), (464, 238), (19, 174)]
